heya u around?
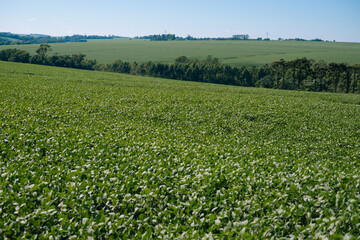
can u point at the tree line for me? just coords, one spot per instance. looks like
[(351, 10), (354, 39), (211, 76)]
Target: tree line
[(241, 37), (69, 61), (299, 74)]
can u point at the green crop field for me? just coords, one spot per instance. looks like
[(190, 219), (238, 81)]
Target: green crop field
[(104, 155), (229, 52)]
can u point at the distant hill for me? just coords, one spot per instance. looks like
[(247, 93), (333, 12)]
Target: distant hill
[(37, 35), (7, 38)]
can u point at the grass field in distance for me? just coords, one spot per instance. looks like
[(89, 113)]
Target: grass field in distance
[(229, 52), (98, 154)]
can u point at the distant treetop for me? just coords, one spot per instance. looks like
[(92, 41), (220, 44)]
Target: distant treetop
[(172, 37)]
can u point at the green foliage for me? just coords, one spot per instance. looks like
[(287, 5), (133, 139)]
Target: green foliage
[(14, 55), (162, 37), (300, 74), (5, 41), (110, 156), (43, 50)]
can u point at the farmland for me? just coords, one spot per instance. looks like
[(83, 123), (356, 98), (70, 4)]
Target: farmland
[(108, 155), (229, 52)]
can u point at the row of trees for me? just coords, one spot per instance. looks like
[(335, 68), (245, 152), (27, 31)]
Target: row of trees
[(299, 74), (172, 37), (242, 37), (160, 37), (70, 61)]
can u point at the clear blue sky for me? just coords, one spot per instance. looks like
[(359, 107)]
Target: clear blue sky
[(327, 19)]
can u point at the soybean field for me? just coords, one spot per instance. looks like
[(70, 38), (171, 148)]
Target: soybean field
[(97, 155), (254, 53)]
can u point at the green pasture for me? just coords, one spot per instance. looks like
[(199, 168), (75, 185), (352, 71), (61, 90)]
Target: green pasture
[(229, 52), (94, 155)]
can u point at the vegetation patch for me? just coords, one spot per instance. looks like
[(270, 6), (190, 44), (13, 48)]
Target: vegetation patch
[(105, 155)]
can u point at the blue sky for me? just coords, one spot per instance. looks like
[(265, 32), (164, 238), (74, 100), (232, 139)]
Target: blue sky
[(327, 19)]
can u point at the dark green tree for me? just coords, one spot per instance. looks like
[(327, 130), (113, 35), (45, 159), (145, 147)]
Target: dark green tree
[(14, 55), (355, 78), (334, 74), (319, 70), (279, 69), (181, 59), (42, 51)]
